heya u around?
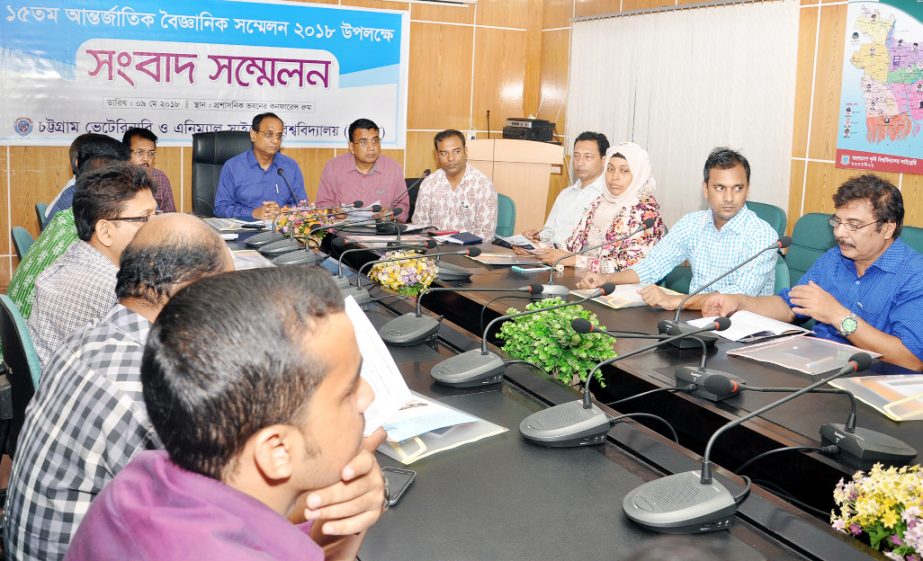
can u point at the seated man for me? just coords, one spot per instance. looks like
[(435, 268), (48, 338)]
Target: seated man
[(87, 418), (364, 174), (248, 429), (867, 291), (458, 196), (143, 146), (255, 183), (110, 204), (713, 241), (68, 189), (571, 204)]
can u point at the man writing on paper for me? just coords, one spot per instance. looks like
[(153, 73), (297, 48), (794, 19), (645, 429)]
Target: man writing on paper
[(867, 291)]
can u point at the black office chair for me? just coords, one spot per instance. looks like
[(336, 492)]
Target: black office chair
[(209, 152), (23, 371), (412, 194)]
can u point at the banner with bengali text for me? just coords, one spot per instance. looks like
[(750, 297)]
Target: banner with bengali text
[(178, 68)]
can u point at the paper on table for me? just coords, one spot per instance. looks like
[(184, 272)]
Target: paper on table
[(748, 325), (624, 296), (378, 370), (518, 239), (421, 415), (250, 259)]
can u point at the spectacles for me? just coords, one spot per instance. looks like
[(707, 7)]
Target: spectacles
[(144, 218), (365, 142), (148, 153), (269, 135), (850, 226)]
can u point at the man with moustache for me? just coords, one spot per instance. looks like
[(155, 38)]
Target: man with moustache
[(143, 146)]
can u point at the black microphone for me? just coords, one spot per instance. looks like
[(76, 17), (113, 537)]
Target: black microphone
[(694, 502), (414, 328), (415, 185), (580, 423), (665, 325), (479, 367), (648, 223), (860, 448), (291, 191)]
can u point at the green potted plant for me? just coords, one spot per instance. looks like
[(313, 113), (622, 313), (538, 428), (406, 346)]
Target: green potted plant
[(548, 340)]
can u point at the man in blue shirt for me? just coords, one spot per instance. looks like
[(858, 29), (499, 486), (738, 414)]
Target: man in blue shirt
[(254, 184), (867, 291), (713, 241)]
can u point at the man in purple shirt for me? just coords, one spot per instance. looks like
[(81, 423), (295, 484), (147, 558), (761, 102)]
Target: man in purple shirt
[(256, 429), (255, 183), (143, 146), (364, 174)]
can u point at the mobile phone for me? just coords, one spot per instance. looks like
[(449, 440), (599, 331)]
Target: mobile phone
[(399, 479), (526, 269)]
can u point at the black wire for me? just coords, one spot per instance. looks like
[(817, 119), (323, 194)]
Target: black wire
[(617, 418), (492, 300), (784, 495), (759, 457), (745, 493), (649, 392), (526, 362)]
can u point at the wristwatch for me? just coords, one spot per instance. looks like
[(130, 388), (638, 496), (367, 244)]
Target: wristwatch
[(848, 325)]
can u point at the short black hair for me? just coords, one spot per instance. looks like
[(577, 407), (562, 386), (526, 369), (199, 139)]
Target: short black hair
[(442, 135), (885, 198), (599, 138), (366, 124), (150, 272), (101, 194), (215, 372), (146, 134), (725, 158), (258, 120), (75, 149), (99, 147)]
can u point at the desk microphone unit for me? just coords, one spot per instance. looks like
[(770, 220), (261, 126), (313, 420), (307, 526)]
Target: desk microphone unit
[(694, 502)]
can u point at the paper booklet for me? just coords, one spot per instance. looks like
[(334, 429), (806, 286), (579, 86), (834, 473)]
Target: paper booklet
[(505, 259), (250, 259), (897, 396), (803, 354), (624, 296), (750, 327)]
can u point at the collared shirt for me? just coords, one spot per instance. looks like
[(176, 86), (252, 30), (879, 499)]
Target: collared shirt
[(342, 183), (53, 242), (470, 207), (245, 186), (155, 509), (569, 207), (76, 289), (163, 194), (712, 252), (84, 424), (889, 296)]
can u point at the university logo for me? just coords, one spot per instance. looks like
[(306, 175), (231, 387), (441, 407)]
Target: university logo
[(23, 126)]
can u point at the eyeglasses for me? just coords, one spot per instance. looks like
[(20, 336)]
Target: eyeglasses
[(269, 135), (365, 142), (850, 226), (136, 218), (148, 153)]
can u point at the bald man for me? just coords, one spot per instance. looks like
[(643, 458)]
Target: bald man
[(88, 418)]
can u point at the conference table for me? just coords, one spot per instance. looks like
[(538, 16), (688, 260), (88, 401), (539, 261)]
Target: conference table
[(505, 498)]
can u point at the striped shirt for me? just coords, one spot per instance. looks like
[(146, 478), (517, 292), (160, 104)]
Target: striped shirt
[(712, 252)]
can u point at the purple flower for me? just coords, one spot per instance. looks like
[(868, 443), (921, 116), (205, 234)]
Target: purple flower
[(895, 539), (855, 529)]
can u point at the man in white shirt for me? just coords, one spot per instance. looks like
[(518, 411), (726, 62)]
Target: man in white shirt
[(588, 159)]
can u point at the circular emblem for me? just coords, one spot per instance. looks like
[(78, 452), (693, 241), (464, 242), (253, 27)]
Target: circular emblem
[(23, 126)]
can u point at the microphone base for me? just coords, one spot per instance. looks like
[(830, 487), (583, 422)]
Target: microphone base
[(681, 504), (864, 448), (303, 257), (280, 247), (340, 281), (450, 272), (470, 369), (360, 295), (565, 426), (681, 327), (259, 240), (686, 375), (390, 228), (409, 329)]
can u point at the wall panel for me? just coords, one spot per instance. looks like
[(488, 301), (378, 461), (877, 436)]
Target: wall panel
[(440, 76), (500, 60)]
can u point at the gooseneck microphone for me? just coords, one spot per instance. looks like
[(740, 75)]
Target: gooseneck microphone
[(479, 367), (414, 328), (694, 502), (291, 191), (665, 326), (580, 423), (415, 185), (859, 448), (646, 224)]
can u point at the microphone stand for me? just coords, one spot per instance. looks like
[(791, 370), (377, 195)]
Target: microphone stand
[(648, 223)]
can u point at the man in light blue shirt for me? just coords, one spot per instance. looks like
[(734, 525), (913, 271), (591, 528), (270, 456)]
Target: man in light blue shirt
[(713, 241), (255, 183), (867, 291)]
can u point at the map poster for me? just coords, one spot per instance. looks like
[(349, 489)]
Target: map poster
[(881, 102)]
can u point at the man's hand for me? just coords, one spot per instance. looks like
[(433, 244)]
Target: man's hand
[(383, 213), (812, 300), (591, 280), (266, 211), (653, 295), (717, 304)]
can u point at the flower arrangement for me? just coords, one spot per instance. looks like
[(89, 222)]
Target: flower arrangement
[(409, 277), (548, 340), (887, 506), (301, 220)]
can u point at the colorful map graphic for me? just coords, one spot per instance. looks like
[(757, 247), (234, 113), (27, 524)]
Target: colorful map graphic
[(881, 108)]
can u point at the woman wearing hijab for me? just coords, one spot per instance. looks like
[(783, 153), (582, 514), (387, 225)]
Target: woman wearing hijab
[(621, 209)]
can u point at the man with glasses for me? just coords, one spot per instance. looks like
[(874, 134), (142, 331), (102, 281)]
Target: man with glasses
[(254, 184), (110, 205), (143, 146), (867, 291), (364, 174)]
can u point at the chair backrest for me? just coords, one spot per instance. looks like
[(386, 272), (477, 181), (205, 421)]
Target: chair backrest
[(811, 237), (913, 237), (506, 215), (412, 194), (783, 277), (681, 276), (772, 214), (22, 239), (209, 152), (40, 209), (22, 363)]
